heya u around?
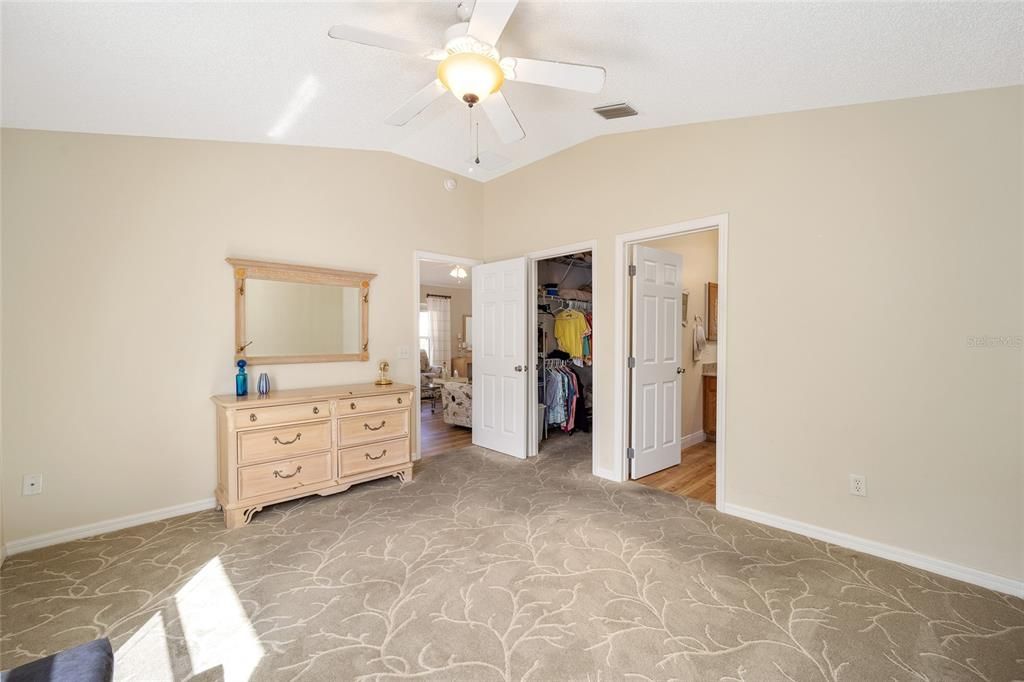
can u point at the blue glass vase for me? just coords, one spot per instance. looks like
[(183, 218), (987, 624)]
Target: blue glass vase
[(263, 384), (241, 380)]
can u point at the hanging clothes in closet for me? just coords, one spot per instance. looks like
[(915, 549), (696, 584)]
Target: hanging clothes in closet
[(574, 334), (568, 395), (562, 393)]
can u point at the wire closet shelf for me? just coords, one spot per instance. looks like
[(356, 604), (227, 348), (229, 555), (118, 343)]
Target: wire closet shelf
[(559, 303)]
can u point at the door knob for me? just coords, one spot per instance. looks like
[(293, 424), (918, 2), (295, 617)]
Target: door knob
[(519, 368), (680, 370)]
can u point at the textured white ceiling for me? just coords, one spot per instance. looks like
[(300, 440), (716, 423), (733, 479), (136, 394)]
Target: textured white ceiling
[(267, 72)]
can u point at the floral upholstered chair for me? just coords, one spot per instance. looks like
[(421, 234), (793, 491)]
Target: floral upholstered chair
[(457, 402)]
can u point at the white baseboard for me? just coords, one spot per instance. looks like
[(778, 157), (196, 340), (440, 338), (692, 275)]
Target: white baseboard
[(693, 439), (928, 563), (108, 526)]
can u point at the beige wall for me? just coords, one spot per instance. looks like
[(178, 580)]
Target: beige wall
[(700, 266), (891, 231), (118, 307), (3, 547), (462, 304), (866, 243)]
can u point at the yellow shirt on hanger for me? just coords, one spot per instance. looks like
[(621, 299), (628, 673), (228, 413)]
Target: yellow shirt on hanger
[(570, 326)]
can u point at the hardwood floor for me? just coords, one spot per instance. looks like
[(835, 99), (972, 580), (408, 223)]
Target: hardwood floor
[(436, 436), (693, 477)]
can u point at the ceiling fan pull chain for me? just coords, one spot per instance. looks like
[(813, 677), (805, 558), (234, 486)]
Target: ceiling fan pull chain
[(474, 126)]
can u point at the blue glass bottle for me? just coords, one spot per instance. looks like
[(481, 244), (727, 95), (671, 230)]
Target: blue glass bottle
[(241, 380)]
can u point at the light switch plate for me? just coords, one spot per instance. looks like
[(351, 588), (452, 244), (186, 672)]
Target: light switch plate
[(403, 352)]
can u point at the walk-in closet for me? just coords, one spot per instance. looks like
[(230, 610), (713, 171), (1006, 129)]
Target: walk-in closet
[(565, 351)]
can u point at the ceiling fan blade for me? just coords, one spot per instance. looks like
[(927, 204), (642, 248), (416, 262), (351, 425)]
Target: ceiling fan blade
[(489, 19), (504, 121), (415, 104), (354, 34), (555, 74)]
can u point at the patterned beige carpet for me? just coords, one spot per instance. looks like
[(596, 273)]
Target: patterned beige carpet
[(488, 568)]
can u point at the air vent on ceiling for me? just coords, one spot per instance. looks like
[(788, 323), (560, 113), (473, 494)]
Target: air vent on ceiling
[(610, 111)]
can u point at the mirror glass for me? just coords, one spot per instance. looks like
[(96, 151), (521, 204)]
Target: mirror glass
[(297, 318), (467, 331)]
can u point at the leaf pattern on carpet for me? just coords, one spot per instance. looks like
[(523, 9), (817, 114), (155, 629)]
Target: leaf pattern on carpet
[(489, 568)]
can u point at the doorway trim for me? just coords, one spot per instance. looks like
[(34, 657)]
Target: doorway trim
[(417, 256), (532, 447), (621, 372)]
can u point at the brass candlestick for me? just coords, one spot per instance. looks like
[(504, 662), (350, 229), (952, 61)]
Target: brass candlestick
[(383, 379)]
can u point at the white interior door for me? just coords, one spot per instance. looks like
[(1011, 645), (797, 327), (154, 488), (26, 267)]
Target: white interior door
[(500, 356), (656, 383)]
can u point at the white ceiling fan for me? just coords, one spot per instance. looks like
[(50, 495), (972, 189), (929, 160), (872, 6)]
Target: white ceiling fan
[(471, 68)]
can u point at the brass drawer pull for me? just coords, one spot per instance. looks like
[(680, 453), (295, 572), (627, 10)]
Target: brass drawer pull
[(278, 474), (252, 416), (399, 400), (287, 442), (352, 405), (369, 456), (375, 428), (316, 410)]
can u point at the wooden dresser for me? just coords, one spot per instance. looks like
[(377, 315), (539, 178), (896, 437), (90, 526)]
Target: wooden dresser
[(321, 441), (710, 385)]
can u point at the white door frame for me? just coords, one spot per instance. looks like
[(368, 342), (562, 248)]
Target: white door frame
[(417, 256), (531, 275), (621, 372)]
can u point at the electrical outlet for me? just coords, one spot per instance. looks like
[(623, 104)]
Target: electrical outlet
[(32, 484), (858, 486)]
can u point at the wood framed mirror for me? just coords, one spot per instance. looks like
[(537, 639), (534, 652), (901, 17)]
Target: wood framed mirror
[(296, 313)]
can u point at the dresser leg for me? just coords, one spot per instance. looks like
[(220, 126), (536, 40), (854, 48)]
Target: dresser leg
[(235, 518), (404, 475)]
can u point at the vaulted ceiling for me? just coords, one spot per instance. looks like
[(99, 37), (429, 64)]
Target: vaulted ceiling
[(267, 72)]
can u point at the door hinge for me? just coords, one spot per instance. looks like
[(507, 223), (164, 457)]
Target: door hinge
[(630, 453), (631, 362), (632, 271)]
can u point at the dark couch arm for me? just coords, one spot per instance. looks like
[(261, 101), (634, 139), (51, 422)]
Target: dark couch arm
[(92, 662)]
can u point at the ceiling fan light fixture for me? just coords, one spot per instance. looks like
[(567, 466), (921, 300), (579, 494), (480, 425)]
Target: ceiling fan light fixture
[(459, 272), (470, 76)]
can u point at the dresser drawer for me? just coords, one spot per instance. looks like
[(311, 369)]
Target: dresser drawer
[(283, 475), (374, 403), (281, 414), (373, 427), (374, 456), (260, 445)]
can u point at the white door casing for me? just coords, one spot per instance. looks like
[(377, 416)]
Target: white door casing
[(500, 356), (656, 380)]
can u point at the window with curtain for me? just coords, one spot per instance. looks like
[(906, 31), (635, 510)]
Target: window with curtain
[(425, 330), (440, 310)]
